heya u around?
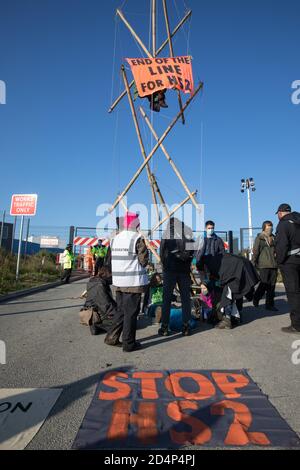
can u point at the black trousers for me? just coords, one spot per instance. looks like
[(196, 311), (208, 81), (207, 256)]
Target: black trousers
[(125, 320), (184, 283), (268, 277), (66, 275), (291, 280)]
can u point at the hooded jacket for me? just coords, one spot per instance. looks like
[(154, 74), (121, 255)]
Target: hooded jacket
[(288, 239)]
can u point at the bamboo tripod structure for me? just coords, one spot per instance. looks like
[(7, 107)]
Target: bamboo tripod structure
[(155, 190)]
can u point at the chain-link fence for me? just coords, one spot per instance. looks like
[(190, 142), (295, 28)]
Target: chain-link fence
[(34, 237), (246, 240)]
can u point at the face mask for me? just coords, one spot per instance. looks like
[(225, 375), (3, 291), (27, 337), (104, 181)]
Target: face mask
[(204, 291), (210, 232)]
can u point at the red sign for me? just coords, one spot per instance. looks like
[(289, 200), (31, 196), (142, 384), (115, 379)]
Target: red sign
[(23, 204)]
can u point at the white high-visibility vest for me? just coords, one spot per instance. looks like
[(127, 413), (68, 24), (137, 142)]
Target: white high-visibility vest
[(126, 268)]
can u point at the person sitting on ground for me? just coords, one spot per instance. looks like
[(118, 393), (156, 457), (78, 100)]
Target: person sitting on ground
[(98, 293), (264, 260), (156, 296)]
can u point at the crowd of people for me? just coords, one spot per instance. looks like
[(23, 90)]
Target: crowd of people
[(224, 279)]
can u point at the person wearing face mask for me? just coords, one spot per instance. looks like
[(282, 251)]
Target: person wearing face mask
[(211, 247), (264, 260)]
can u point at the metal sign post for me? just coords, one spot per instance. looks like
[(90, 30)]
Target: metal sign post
[(19, 249), (21, 205)]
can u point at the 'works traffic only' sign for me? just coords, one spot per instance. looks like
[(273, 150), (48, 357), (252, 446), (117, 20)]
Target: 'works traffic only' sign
[(23, 204)]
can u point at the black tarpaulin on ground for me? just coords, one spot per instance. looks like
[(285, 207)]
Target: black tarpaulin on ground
[(177, 408)]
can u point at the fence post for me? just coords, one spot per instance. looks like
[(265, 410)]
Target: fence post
[(27, 235), (71, 234), (230, 241), (13, 236), (241, 239), (2, 228)]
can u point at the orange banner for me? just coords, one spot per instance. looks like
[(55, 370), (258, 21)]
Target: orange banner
[(152, 75)]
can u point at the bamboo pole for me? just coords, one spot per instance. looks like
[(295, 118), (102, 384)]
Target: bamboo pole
[(164, 44), (138, 132), (172, 212), (160, 141), (172, 52), (167, 155), (160, 196), (136, 37), (154, 28)]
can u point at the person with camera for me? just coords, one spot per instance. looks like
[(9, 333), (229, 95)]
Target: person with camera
[(176, 253)]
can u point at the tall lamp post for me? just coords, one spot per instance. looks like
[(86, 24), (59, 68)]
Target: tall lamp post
[(249, 185)]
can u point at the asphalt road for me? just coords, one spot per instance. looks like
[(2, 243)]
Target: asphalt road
[(47, 347)]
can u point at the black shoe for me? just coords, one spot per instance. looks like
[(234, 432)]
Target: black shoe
[(186, 330), (290, 329), (163, 331), (255, 303), (225, 324), (271, 308), (235, 322), (113, 342), (137, 345), (163, 104)]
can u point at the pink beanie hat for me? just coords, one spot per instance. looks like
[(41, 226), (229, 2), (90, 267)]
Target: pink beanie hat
[(131, 220)]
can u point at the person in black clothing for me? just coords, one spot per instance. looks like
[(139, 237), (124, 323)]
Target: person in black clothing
[(264, 260), (176, 253), (287, 248), (212, 246)]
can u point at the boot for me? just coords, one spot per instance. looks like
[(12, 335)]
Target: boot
[(163, 330), (271, 308), (162, 100), (113, 336), (186, 329), (224, 324)]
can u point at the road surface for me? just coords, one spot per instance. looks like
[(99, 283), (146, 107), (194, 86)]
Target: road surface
[(47, 347)]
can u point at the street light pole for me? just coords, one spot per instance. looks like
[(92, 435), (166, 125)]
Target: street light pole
[(250, 223), (249, 185)]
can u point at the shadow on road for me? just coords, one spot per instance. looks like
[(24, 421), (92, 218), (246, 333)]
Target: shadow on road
[(40, 310), (251, 314)]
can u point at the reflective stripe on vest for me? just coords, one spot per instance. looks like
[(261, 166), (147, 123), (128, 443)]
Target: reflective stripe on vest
[(294, 252), (126, 268)]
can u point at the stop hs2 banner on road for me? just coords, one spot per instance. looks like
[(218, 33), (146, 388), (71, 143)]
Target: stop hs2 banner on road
[(177, 408), (152, 75)]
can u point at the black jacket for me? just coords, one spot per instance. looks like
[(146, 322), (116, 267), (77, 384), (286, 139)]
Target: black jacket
[(238, 274), (176, 248), (216, 248), (288, 238)]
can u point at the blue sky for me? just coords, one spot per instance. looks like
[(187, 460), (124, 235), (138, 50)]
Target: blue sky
[(57, 139)]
